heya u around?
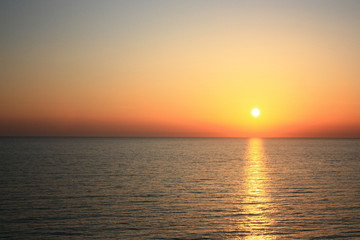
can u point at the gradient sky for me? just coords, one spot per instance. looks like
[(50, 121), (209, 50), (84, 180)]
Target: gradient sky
[(180, 68)]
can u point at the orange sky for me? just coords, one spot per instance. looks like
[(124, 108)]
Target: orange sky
[(177, 68)]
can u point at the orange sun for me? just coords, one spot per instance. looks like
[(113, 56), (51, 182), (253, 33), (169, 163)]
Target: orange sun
[(255, 112)]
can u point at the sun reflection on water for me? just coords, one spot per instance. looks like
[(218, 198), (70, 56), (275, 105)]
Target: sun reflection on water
[(256, 204)]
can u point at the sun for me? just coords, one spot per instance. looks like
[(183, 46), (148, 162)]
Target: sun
[(255, 112)]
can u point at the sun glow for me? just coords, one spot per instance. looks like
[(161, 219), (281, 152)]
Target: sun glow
[(255, 112)]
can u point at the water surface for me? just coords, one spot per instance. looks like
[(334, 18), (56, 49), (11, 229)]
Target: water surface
[(179, 188)]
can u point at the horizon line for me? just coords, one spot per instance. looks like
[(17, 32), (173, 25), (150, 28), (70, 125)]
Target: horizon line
[(24, 136)]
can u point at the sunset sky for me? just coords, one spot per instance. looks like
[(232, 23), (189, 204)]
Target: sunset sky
[(180, 68)]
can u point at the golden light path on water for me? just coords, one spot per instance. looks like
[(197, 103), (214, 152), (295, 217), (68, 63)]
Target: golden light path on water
[(256, 205)]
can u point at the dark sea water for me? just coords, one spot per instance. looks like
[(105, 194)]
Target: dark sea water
[(179, 188)]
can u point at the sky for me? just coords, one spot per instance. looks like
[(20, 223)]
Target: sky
[(180, 68)]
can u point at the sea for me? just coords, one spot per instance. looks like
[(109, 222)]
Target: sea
[(179, 188)]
